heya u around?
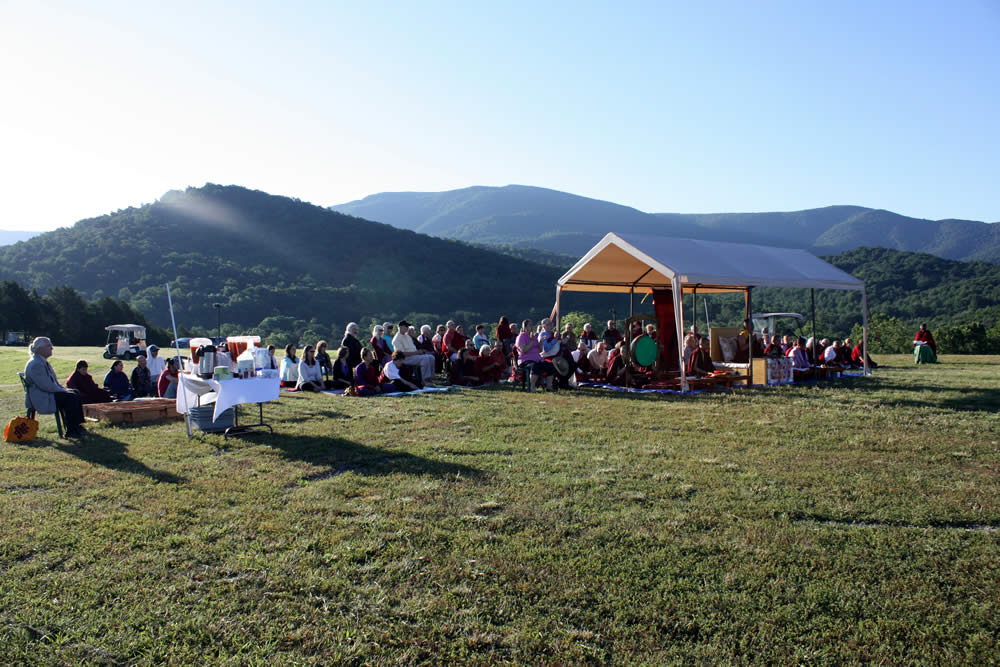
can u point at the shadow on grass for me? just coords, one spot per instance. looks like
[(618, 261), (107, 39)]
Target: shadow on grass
[(339, 456), (112, 454), (959, 399)]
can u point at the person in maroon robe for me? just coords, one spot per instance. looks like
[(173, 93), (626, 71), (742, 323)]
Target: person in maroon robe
[(858, 357), (618, 364), (506, 336), (490, 363), (846, 357), (584, 371), (924, 336), (453, 341), (82, 381), (701, 361), (379, 346), (366, 375), (773, 347), (464, 366)]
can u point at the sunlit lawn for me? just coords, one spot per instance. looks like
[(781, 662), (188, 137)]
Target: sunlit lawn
[(852, 521)]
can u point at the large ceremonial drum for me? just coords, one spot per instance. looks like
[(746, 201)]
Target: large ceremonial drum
[(644, 350)]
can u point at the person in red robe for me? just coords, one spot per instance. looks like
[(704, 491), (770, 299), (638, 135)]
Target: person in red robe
[(490, 363), (453, 341), (505, 336), (366, 382), (858, 357), (379, 346), (464, 367), (82, 381), (773, 347), (924, 336), (701, 361)]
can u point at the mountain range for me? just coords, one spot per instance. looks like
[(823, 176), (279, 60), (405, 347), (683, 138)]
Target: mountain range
[(290, 270), (533, 217), (264, 256)]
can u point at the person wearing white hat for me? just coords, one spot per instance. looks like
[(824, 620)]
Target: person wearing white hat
[(45, 394), (154, 362)]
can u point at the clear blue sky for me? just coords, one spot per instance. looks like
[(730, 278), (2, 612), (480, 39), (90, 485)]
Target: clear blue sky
[(687, 107)]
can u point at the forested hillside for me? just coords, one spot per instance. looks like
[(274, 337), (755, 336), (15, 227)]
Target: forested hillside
[(274, 263), (279, 266), (66, 317), (560, 222)]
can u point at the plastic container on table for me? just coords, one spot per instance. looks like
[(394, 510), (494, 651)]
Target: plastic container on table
[(195, 344), (245, 364), (261, 357), (237, 344)]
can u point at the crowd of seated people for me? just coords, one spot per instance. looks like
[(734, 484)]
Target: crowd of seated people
[(413, 358)]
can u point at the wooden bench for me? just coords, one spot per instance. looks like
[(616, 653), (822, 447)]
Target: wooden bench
[(133, 412)]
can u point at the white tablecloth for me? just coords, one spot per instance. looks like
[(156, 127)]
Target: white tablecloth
[(224, 394)]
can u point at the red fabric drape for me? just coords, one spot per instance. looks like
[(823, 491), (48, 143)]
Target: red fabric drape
[(666, 327)]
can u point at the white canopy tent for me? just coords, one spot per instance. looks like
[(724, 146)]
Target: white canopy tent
[(627, 263)]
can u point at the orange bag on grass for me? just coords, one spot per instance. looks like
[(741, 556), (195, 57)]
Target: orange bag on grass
[(20, 429)]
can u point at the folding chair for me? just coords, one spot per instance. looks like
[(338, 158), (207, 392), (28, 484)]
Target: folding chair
[(31, 411)]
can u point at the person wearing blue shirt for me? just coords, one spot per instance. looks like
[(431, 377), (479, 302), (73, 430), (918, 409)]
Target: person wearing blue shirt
[(480, 338), (117, 382)]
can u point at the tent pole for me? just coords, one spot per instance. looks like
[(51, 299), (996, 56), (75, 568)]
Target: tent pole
[(749, 326), (694, 307), (675, 285), (812, 350), (558, 294), (180, 393), (864, 328), (628, 337)]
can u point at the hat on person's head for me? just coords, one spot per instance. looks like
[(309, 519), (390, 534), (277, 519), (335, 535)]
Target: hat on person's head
[(404, 323), (152, 348)]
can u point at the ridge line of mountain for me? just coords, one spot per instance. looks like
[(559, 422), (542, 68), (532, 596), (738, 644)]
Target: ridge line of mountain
[(540, 218)]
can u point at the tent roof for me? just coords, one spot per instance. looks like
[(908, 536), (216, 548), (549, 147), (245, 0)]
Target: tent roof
[(620, 262)]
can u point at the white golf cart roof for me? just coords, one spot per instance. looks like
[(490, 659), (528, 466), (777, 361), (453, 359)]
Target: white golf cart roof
[(761, 316), (137, 328)]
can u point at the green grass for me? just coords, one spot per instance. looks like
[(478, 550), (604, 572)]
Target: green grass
[(853, 521)]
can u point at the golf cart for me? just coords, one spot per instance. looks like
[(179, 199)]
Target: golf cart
[(765, 323), (16, 338), (125, 341)]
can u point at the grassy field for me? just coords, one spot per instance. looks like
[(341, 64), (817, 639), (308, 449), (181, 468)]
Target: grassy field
[(854, 521)]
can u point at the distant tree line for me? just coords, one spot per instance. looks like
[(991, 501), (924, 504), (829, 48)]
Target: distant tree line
[(66, 317)]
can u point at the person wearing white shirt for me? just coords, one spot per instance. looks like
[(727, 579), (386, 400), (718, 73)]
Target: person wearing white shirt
[(289, 368), (155, 362), (391, 374), (403, 342), (831, 355), (598, 358), (310, 372)]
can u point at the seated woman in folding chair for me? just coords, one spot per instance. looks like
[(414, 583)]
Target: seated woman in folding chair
[(45, 394)]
